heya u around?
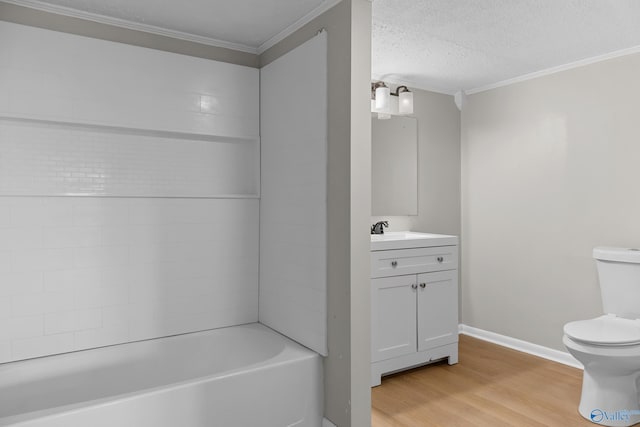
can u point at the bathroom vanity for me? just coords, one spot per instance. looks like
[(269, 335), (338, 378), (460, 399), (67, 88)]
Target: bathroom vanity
[(414, 301)]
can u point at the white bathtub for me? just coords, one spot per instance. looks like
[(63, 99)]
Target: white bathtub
[(245, 376)]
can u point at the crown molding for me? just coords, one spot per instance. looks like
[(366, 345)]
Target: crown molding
[(554, 70), (322, 8), (409, 83), (123, 23), (523, 78)]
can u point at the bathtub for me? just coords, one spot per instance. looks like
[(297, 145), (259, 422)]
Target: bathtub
[(245, 376)]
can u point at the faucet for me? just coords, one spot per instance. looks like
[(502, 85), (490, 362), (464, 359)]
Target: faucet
[(378, 227)]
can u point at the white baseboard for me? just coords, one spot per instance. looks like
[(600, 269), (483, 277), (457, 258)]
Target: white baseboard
[(520, 345)]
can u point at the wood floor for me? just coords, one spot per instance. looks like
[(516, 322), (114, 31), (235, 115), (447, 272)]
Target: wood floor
[(491, 386)]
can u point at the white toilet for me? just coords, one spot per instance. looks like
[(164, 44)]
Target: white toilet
[(609, 346)]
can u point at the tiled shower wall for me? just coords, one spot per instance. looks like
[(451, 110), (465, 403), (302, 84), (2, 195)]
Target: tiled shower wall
[(77, 273), (171, 244), (39, 159)]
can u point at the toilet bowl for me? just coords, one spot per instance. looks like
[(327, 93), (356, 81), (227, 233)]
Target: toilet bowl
[(611, 369), (609, 346)]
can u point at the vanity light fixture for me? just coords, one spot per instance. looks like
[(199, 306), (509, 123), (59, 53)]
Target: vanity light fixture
[(386, 103)]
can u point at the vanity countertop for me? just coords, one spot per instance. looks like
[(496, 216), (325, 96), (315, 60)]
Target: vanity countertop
[(409, 239)]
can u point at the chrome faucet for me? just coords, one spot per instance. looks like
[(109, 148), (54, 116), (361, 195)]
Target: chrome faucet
[(378, 227)]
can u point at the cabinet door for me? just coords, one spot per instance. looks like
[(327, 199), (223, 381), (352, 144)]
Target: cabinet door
[(437, 309), (393, 317)]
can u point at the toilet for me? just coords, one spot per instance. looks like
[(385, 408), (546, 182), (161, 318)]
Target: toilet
[(609, 346)]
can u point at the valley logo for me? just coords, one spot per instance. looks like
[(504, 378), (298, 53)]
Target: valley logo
[(598, 415)]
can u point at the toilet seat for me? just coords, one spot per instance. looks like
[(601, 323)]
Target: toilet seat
[(607, 330)]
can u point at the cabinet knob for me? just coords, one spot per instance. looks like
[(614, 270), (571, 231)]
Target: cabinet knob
[(414, 286), (423, 285), (440, 259), (394, 263)]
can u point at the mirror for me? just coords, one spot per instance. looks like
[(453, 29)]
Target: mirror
[(394, 166)]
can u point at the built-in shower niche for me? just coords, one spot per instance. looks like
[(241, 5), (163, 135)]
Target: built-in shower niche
[(53, 158)]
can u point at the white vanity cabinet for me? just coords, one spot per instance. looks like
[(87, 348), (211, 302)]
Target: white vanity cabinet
[(414, 302)]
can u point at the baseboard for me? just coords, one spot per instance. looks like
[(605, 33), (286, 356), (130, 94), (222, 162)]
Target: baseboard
[(520, 345)]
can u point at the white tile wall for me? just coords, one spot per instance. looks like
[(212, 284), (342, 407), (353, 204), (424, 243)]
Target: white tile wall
[(5, 352), (116, 270), (121, 85), (91, 117), (48, 159), (25, 348)]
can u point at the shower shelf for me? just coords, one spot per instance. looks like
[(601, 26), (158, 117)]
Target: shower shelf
[(41, 186), (126, 130)]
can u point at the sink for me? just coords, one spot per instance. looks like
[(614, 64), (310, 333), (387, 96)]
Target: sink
[(409, 239), (399, 235)]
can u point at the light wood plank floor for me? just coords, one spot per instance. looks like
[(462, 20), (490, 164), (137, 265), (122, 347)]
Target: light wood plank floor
[(491, 386)]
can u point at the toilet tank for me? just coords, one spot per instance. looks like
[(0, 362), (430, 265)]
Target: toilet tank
[(619, 276)]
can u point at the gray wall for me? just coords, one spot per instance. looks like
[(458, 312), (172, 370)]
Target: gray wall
[(549, 170), (360, 210), (348, 25), (438, 167)]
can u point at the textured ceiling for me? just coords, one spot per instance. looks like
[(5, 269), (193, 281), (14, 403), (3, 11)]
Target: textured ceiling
[(452, 45), (440, 45)]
